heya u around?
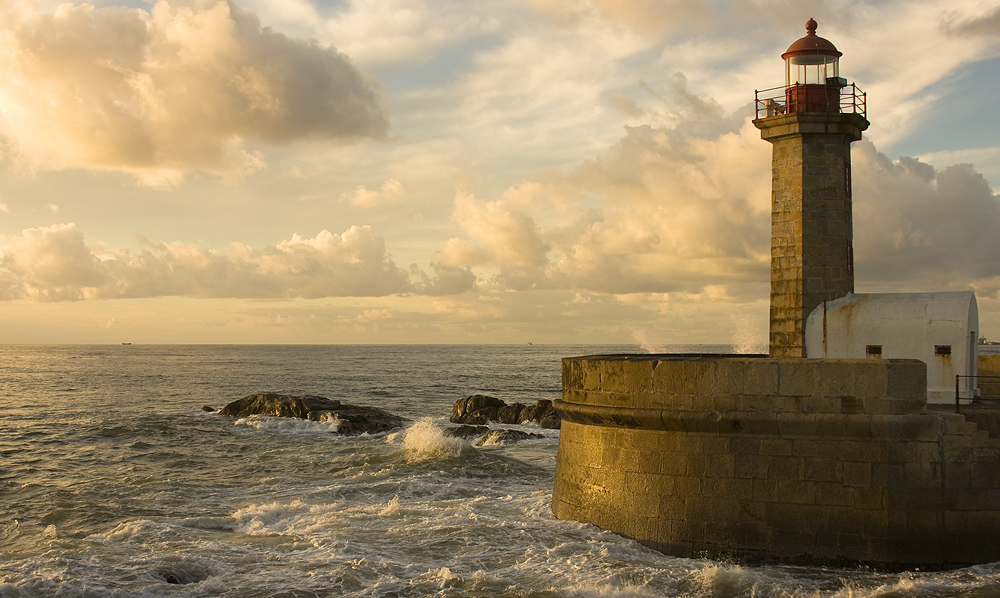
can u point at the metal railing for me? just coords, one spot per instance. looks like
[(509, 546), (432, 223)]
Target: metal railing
[(774, 101), (977, 377)]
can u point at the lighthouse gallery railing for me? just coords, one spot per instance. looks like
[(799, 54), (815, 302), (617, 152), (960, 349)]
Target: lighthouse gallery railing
[(774, 101)]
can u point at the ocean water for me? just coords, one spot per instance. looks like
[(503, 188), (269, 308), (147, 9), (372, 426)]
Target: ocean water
[(114, 482)]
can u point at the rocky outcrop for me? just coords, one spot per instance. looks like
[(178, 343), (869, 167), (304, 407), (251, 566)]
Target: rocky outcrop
[(467, 432), (505, 437), (485, 436), (541, 413), (482, 409), (354, 419)]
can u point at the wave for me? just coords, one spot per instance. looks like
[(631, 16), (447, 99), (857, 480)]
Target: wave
[(426, 441), (289, 425)]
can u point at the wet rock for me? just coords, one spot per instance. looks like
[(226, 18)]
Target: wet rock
[(354, 419), (476, 410), (483, 409), (508, 414), (208, 409), (541, 413), (505, 437), (467, 432)]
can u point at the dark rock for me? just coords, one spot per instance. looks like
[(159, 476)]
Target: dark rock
[(550, 422), (483, 409), (547, 416), (354, 419), (508, 414), (528, 414), (541, 413), (467, 432), (208, 409), (477, 409), (505, 437)]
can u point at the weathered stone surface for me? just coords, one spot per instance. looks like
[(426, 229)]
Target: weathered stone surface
[(541, 413), (483, 409), (476, 410), (467, 432), (508, 414), (354, 419), (789, 470), (505, 437), (485, 436), (811, 220)]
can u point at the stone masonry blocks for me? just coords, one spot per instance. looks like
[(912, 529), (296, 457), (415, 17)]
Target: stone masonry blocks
[(755, 458)]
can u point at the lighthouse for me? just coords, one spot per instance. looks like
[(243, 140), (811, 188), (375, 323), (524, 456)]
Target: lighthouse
[(811, 122)]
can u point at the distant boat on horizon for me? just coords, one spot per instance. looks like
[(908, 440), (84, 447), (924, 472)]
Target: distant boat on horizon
[(126, 343)]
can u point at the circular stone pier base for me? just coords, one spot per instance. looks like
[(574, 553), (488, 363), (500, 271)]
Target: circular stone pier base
[(794, 460)]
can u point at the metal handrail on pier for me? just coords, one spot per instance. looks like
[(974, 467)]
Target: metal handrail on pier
[(958, 389)]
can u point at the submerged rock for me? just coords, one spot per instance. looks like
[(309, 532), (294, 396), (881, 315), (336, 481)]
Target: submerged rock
[(485, 436), (467, 432), (354, 419), (505, 437), (482, 409)]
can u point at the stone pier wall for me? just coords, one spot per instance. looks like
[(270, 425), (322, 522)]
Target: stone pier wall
[(798, 460)]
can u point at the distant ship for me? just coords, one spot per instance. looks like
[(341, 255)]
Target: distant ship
[(126, 343), (983, 341)]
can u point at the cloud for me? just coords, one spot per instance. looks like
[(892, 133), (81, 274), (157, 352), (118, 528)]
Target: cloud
[(180, 88), (643, 16), (55, 264), (406, 31), (391, 191), (959, 23), (686, 210), (664, 210), (932, 229)]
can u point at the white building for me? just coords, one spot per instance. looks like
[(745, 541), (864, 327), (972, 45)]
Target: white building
[(937, 328)]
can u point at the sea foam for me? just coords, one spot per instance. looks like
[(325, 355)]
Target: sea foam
[(425, 441)]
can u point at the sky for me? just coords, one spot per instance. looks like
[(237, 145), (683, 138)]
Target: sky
[(456, 171)]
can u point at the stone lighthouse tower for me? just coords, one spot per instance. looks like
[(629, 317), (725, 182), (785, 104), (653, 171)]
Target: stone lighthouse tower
[(811, 122)]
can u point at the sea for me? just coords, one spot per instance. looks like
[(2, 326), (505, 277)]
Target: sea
[(114, 482)]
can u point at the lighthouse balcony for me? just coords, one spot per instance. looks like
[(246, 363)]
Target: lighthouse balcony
[(834, 97)]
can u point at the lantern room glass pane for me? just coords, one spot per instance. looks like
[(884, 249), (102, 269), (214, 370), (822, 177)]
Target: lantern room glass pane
[(811, 69)]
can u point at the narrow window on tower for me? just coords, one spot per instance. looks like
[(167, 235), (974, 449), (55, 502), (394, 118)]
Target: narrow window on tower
[(847, 178)]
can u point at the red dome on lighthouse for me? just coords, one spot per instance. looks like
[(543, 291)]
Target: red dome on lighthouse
[(811, 44)]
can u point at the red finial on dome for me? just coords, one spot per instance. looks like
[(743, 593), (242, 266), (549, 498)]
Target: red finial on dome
[(811, 44)]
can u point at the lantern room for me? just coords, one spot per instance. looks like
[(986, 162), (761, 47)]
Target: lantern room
[(812, 60)]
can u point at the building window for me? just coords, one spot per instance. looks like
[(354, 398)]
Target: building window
[(942, 349), (875, 350)]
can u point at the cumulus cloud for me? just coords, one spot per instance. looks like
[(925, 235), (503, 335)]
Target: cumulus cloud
[(179, 88), (662, 211), (686, 210), (930, 228), (394, 31), (644, 16), (959, 22), (391, 191), (55, 264)]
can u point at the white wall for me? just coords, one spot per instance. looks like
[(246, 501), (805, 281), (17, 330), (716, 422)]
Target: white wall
[(904, 325)]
